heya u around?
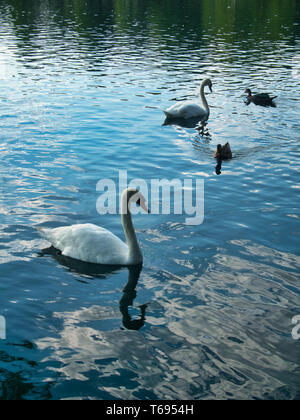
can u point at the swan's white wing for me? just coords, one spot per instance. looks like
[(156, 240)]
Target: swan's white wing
[(88, 243), (185, 110)]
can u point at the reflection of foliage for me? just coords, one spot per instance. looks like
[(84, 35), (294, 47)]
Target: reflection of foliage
[(266, 19), (13, 383), (262, 18), (14, 388), (95, 29)]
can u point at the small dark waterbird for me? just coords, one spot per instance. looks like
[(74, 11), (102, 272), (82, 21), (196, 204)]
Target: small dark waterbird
[(263, 99), (223, 152)]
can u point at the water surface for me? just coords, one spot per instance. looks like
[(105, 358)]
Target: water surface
[(82, 85)]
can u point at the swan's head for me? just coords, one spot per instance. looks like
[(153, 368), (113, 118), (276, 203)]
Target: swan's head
[(248, 91), (133, 195), (208, 82)]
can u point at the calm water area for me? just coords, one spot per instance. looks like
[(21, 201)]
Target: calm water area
[(209, 316)]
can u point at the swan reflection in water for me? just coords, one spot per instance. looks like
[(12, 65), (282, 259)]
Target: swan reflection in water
[(103, 271), (129, 294), (196, 123)]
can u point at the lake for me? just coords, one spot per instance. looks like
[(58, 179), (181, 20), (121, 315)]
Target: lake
[(210, 314)]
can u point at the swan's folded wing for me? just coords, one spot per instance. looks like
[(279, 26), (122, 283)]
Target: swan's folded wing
[(89, 243), (174, 110), (185, 110), (192, 110)]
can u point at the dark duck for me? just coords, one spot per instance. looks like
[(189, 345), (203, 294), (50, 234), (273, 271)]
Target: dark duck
[(223, 152), (263, 99)]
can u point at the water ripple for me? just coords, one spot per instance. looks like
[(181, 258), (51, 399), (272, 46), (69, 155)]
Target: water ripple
[(82, 93)]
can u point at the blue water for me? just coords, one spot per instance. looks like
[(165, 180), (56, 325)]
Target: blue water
[(81, 91)]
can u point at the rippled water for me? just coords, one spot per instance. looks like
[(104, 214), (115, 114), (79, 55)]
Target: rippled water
[(81, 91)]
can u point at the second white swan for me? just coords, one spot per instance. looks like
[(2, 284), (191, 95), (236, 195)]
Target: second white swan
[(94, 244), (190, 109)]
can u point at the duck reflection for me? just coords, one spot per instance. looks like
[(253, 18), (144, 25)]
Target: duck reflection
[(103, 271), (219, 167)]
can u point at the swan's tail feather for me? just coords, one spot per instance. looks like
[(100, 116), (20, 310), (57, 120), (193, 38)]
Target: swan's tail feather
[(168, 116), (42, 232), (273, 98)]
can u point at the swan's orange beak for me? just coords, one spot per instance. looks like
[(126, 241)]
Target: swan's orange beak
[(144, 207), (142, 203)]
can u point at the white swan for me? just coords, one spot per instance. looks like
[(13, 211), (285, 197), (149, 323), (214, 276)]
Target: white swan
[(190, 109), (94, 244)]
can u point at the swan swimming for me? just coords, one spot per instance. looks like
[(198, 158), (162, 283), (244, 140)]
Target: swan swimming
[(190, 109), (94, 244)]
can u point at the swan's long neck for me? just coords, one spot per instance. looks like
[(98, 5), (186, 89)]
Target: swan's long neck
[(135, 254), (203, 98)]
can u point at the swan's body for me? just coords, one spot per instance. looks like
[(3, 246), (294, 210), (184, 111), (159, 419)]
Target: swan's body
[(190, 109), (94, 244), (88, 243)]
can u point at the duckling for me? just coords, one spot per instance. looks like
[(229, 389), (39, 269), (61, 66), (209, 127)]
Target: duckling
[(263, 99), (223, 152)]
